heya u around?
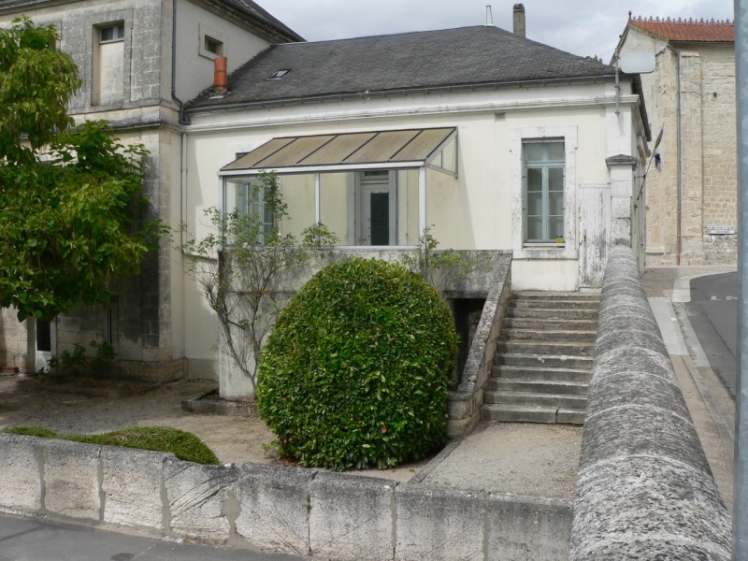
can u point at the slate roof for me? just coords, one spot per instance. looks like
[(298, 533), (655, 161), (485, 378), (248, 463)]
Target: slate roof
[(696, 31), (468, 56)]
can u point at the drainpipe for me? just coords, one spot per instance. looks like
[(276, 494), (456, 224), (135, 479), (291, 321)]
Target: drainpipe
[(679, 162), (183, 118)]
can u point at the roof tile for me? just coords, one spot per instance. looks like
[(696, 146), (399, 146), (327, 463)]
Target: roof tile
[(712, 31)]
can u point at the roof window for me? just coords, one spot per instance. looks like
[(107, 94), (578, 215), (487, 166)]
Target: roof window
[(278, 74)]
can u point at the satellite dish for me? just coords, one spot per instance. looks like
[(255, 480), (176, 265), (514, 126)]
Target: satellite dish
[(637, 62)]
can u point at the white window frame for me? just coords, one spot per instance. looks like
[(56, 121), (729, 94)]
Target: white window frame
[(528, 250), (117, 27), (544, 166)]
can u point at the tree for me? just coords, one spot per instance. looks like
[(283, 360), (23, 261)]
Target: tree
[(245, 265), (67, 194)]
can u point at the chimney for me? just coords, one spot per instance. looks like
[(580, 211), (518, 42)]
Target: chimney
[(219, 75), (519, 20), (489, 16)]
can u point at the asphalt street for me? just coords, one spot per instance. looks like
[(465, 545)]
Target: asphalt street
[(23, 539), (713, 313)]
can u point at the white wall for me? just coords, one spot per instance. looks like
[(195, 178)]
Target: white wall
[(194, 71)]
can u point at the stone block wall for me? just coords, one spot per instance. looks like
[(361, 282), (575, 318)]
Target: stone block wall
[(708, 158), (298, 511)]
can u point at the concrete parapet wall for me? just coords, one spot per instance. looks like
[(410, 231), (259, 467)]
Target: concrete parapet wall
[(464, 404), (644, 487), (299, 511)]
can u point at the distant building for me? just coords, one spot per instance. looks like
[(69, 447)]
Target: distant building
[(692, 202)]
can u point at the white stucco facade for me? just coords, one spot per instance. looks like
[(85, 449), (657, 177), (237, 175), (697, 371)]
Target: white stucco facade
[(480, 208)]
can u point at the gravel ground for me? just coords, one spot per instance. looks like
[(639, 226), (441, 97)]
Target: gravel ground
[(535, 460)]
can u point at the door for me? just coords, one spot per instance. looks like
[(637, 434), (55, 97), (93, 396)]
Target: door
[(594, 234), (43, 336), (377, 208)]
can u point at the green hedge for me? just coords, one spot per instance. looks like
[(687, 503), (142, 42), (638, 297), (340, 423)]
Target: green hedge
[(355, 373)]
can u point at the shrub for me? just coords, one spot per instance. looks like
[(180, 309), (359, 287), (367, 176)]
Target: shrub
[(356, 370), (184, 445)]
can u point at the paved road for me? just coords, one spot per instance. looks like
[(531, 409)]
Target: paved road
[(23, 539), (713, 312)]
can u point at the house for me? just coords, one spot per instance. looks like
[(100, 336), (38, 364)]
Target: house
[(138, 60), (692, 202), (493, 141)]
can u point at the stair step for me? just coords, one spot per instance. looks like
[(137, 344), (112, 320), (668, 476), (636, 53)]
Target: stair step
[(545, 361), (547, 348), (549, 335), (554, 304), (531, 414), (553, 324), (538, 386), (553, 313), (539, 399), (530, 373), (539, 295)]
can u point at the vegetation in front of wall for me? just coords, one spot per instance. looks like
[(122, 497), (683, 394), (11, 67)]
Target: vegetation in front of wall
[(443, 268), (240, 266), (78, 362), (355, 373), (184, 445), (67, 232)]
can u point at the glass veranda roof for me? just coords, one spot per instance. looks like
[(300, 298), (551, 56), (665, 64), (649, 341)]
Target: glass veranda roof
[(396, 148)]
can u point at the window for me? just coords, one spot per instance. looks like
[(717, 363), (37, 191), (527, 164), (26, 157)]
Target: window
[(112, 33), (543, 175), (213, 46), (278, 74), (248, 197), (108, 64)]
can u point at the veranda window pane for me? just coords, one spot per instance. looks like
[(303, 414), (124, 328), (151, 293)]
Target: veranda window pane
[(334, 204), (534, 152), (534, 179), (556, 203)]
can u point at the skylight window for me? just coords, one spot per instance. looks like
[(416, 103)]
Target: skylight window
[(278, 74)]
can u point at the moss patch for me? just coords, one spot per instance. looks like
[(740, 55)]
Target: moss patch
[(184, 445)]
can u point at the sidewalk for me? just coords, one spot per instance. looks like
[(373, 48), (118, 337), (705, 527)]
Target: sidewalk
[(710, 405)]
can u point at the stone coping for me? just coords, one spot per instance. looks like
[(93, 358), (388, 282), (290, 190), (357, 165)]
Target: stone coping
[(644, 487)]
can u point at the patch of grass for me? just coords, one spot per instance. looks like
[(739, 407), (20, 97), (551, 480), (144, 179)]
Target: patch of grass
[(32, 431), (184, 445)]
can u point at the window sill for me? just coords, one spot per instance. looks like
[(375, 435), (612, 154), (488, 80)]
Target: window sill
[(531, 246)]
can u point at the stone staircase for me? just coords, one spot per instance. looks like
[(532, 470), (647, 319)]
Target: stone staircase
[(542, 364)]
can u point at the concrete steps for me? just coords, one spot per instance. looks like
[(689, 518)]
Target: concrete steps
[(542, 365)]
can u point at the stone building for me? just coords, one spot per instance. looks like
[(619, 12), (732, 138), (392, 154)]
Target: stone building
[(692, 202), (138, 60)]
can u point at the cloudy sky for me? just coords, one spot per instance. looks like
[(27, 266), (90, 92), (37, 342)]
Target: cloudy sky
[(583, 27)]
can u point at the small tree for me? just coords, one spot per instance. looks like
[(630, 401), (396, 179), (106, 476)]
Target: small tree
[(241, 265), (66, 194)]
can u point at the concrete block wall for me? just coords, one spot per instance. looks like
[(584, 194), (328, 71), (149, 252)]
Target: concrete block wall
[(284, 509), (644, 487), (463, 405)]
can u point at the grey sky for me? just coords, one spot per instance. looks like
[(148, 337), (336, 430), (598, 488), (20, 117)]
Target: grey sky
[(583, 27)]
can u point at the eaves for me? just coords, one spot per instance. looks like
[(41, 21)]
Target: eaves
[(366, 95)]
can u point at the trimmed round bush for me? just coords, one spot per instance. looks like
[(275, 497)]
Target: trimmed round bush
[(355, 373)]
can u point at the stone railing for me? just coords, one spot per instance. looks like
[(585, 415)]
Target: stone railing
[(644, 488)]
